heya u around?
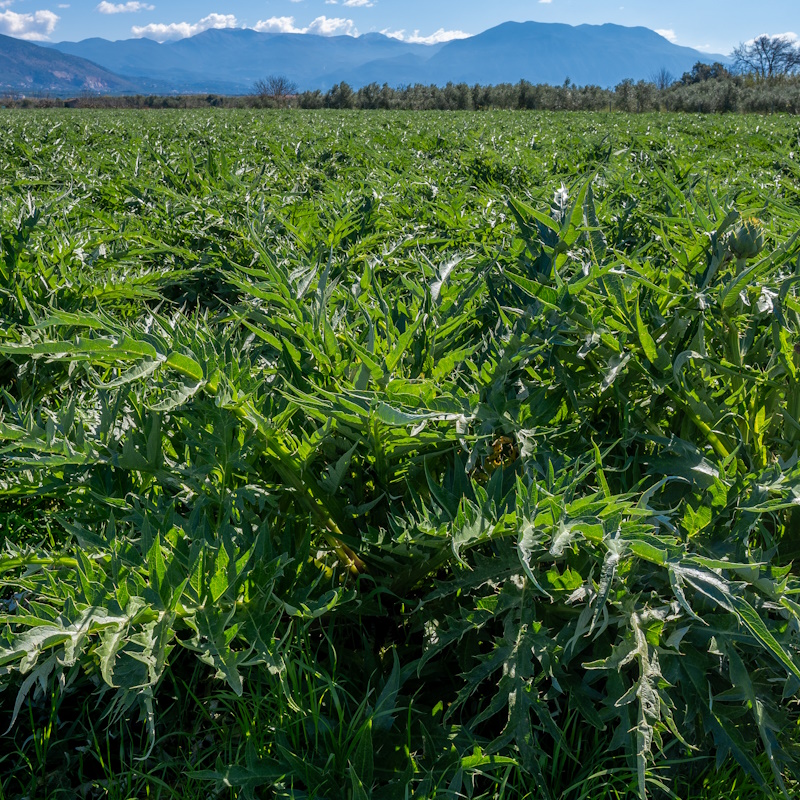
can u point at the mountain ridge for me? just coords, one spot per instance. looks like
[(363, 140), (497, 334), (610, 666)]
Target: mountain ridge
[(602, 55), (230, 60), (242, 56), (25, 66)]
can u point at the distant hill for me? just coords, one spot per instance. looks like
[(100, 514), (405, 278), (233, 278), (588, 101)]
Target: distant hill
[(26, 67), (231, 60), (602, 55)]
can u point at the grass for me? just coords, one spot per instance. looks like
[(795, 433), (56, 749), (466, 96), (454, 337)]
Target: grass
[(348, 455), (211, 739)]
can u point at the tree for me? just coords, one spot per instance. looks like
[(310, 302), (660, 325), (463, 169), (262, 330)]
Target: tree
[(340, 95), (275, 89), (312, 99), (663, 79), (767, 56), (702, 72), (625, 95)]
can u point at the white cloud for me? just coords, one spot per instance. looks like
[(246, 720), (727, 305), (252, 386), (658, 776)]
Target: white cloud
[(181, 30), (358, 3), (435, 38), (277, 25), (790, 35), (123, 8), (321, 26), (545, 1), (35, 26), (668, 34), (332, 26)]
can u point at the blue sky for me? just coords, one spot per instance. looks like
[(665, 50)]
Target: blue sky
[(709, 26)]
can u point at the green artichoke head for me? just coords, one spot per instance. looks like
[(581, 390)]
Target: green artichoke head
[(747, 239)]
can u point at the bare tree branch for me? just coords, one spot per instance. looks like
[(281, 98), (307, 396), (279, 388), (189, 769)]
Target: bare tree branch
[(275, 88), (663, 78), (767, 56)]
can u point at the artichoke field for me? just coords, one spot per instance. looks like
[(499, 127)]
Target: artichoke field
[(465, 447)]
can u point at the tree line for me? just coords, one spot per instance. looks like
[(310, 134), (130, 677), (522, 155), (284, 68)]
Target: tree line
[(706, 89), (708, 93), (763, 78)]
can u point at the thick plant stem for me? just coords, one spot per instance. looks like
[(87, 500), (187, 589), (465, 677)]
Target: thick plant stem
[(281, 458), (711, 437), (11, 564), (734, 338)]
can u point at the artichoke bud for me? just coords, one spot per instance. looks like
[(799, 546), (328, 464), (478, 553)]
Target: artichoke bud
[(747, 239)]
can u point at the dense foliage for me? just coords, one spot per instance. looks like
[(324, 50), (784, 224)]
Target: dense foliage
[(393, 455), (708, 89)]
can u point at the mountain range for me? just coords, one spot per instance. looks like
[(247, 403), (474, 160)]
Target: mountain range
[(26, 67), (231, 60)]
